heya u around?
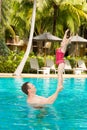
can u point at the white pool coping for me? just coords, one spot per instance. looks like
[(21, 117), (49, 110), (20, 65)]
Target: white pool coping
[(43, 75)]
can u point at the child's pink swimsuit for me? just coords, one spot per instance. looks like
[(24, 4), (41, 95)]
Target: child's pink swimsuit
[(59, 56)]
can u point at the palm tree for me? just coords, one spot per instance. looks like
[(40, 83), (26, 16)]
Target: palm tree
[(68, 15), (59, 15), (5, 15), (21, 16), (4, 5), (22, 63)]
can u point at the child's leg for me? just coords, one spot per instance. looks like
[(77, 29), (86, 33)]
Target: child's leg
[(60, 74)]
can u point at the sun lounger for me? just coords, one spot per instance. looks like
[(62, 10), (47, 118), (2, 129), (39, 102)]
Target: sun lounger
[(34, 65), (51, 65), (67, 66), (82, 65)]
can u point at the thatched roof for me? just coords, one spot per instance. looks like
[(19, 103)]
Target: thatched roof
[(78, 39), (46, 37)]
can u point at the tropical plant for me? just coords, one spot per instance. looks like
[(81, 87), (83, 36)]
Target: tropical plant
[(59, 15), (3, 23), (4, 50), (21, 14), (22, 63)]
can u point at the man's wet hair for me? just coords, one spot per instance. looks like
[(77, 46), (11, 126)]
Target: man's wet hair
[(25, 87)]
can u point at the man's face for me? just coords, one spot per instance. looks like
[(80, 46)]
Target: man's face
[(32, 89)]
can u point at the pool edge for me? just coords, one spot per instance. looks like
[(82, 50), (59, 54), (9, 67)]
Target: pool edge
[(43, 75)]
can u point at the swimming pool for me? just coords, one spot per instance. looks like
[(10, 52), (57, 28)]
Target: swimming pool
[(69, 112)]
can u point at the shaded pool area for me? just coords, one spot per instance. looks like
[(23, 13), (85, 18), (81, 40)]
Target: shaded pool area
[(69, 112)]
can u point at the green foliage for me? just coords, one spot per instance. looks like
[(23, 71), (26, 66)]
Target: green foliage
[(73, 60), (41, 61), (3, 48), (26, 67), (17, 14), (9, 63)]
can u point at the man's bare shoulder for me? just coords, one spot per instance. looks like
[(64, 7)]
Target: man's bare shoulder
[(37, 100)]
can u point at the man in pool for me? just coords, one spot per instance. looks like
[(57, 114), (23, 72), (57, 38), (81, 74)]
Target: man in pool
[(35, 100)]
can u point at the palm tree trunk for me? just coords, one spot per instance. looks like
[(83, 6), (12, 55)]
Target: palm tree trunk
[(54, 18), (22, 63)]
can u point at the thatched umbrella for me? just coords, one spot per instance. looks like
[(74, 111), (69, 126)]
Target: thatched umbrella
[(47, 38), (78, 39)]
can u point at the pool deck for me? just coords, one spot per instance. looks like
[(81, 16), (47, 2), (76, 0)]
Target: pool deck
[(23, 75)]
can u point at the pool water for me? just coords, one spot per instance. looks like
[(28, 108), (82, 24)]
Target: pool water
[(69, 111)]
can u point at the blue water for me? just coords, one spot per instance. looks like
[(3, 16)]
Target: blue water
[(69, 112)]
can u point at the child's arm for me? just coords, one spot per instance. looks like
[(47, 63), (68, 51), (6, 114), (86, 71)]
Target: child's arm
[(65, 41)]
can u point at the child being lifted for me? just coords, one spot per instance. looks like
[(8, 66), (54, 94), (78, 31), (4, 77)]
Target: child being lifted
[(60, 52)]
